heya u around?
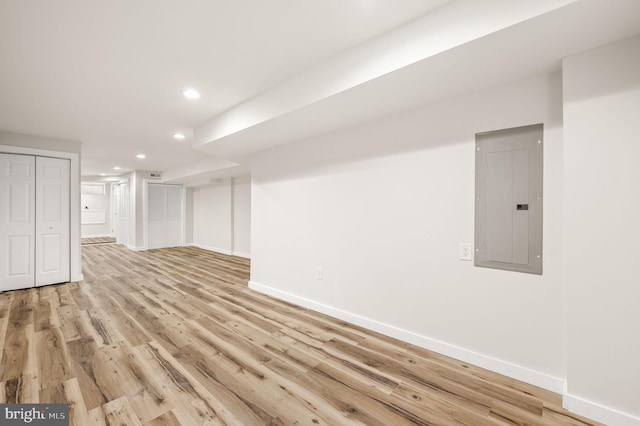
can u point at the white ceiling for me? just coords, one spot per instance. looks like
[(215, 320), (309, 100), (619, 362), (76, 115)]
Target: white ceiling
[(110, 73)]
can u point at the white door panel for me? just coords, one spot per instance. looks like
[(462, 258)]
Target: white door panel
[(17, 221), (164, 215), (52, 221), (19, 256), (19, 203), (113, 207), (51, 256)]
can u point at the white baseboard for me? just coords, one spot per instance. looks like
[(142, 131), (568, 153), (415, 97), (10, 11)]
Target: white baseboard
[(134, 248), (598, 412), (514, 371), (223, 251), (211, 248), (242, 254), (96, 236)]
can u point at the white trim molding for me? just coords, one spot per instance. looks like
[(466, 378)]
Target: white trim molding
[(242, 254), (514, 371), (222, 251), (598, 412), (97, 236), (211, 248)]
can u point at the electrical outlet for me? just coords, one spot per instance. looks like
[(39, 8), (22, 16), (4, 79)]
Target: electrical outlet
[(319, 273), (465, 251)]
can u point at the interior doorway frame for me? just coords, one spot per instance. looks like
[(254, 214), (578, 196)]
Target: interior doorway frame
[(118, 199)]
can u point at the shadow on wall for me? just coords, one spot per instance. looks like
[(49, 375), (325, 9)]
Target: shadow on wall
[(455, 121), (625, 79)]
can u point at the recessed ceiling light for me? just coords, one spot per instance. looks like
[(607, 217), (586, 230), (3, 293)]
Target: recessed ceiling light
[(116, 168), (178, 136), (141, 156), (190, 93), (103, 174)]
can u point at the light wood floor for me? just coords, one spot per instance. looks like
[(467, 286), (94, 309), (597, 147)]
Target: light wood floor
[(174, 336)]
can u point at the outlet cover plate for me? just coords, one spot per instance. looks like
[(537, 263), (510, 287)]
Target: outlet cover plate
[(466, 252)]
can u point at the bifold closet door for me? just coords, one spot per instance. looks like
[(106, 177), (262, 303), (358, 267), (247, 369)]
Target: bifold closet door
[(52, 221), (34, 221), (17, 221), (164, 222)]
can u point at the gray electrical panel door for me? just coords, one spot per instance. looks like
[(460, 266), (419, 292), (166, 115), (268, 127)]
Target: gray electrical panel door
[(508, 208)]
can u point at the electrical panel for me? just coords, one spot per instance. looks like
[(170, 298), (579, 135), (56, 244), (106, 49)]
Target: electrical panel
[(508, 205)]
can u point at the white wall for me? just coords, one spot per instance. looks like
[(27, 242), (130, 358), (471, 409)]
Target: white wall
[(382, 208), (97, 202), (137, 208), (602, 142), (188, 237), (39, 142), (242, 216), (212, 216), (135, 193), (221, 216)]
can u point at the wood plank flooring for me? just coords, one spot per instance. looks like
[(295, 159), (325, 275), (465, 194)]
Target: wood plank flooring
[(175, 337)]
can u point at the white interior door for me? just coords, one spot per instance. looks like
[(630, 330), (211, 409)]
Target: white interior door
[(164, 215), (52, 221), (17, 221), (113, 209), (123, 213)]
